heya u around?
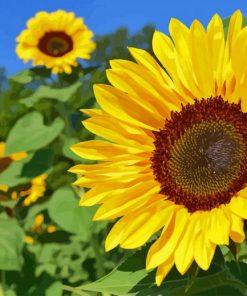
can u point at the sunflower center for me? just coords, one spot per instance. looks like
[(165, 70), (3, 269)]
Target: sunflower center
[(55, 43), (200, 158)]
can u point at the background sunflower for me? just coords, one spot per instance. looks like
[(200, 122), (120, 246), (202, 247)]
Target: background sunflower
[(55, 40)]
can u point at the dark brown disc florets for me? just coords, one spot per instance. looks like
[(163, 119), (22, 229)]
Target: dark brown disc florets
[(55, 43), (200, 156)]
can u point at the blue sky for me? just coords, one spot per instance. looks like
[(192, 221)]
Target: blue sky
[(104, 16)]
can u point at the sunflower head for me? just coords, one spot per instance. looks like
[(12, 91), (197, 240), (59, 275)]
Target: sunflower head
[(55, 40), (175, 155)]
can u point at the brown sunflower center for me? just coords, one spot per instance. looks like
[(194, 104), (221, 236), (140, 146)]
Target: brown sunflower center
[(200, 159), (55, 43)]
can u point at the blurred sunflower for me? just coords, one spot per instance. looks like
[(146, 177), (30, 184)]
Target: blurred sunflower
[(176, 155), (35, 191), (39, 227), (55, 40)]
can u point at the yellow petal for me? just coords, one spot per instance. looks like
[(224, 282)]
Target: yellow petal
[(203, 248), (159, 97), (97, 150), (120, 133), (134, 197), (203, 251), (143, 223), (165, 246), (216, 43), (184, 253), (219, 226), (201, 61), (163, 270), (117, 104), (238, 205), (114, 236), (237, 229), (235, 26)]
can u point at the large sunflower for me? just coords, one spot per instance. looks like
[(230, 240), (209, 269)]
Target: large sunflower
[(175, 158), (55, 40)]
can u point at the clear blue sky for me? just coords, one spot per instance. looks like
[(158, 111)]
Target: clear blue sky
[(105, 16)]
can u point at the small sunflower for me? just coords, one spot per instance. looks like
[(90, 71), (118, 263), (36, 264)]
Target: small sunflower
[(55, 40), (175, 159), (35, 191)]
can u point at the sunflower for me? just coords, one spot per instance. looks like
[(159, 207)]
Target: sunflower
[(55, 40), (175, 159), (35, 191)]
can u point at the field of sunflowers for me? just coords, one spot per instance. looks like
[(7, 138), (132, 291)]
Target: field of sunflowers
[(72, 192)]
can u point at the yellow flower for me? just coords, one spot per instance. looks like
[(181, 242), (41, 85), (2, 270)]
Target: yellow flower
[(176, 155), (55, 40), (28, 240), (38, 223), (36, 191), (51, 229)]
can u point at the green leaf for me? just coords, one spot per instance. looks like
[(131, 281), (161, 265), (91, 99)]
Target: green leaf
[(11, 243), (23, 77), (64, 209), (40, 163), (68, 142), (128, 277), (29, 133), (46, 286), (48, 92)]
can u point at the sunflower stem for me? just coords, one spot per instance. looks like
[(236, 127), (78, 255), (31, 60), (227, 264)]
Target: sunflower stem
[(76, 291), (192, 276), (100, 269)]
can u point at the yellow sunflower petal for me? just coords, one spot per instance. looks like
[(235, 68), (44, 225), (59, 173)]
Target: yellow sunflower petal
[(114, 236), (143, 223), (162, 249), (238, 205), (134, 197), (184, 253), (218, 226), (237, 229), (163, 270), (99, 150), (116, 103)]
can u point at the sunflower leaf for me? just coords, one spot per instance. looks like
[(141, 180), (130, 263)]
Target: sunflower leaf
[(11, 243), (29, 133), (23, 77), (48, 92), (64, 210)]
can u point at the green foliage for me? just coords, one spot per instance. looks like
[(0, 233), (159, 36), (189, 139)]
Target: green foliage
[(11, 243), (29, 133), (64, 254)]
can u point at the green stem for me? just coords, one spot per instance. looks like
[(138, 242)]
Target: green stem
[(98, 257), (64, 114), (192, 278), (74, 290)]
